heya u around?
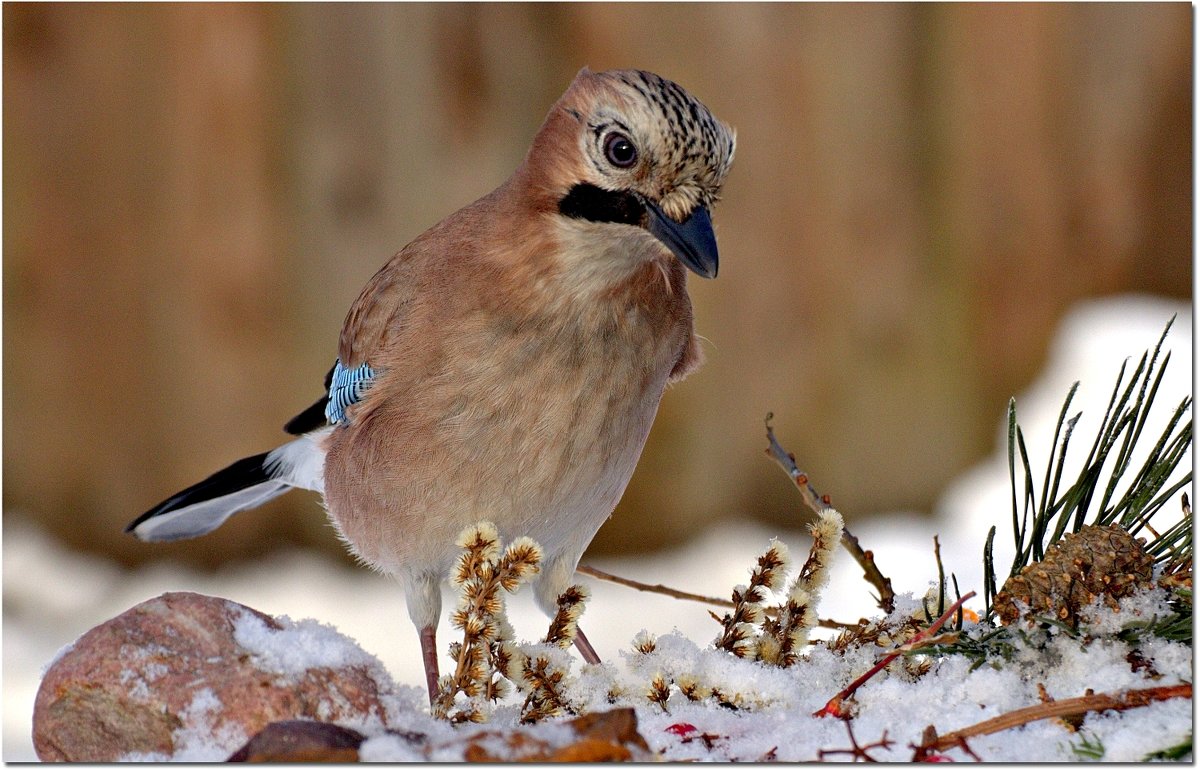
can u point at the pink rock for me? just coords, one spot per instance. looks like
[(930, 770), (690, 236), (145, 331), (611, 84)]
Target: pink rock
[(187, 676)]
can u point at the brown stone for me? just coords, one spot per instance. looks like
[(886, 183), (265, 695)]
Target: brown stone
[(600, 736), (301, 741), (169, 673)]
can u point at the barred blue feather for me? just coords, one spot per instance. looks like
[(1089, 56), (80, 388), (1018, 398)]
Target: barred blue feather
[(346, 388)]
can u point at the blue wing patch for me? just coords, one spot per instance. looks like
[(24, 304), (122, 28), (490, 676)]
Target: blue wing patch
[(346, 388)]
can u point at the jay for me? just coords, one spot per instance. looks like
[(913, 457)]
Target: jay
[(508, 363)]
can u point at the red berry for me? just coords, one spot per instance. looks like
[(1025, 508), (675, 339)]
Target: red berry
[(681, 729)]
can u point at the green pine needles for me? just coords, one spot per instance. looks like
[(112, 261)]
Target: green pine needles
[(1108, 489)]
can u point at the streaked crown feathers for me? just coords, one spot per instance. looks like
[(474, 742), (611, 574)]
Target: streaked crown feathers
[(684, 151)]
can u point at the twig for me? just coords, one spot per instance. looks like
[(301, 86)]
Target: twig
[(588, 570), (857, 751), (926, 752), (1060, 708), (678, 594), (818, 503), (833, 707)]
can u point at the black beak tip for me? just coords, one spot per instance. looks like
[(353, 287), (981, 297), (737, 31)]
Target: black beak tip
[(692, 241)]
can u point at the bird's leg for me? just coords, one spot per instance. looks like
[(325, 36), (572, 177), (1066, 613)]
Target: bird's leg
[(423, 596), (429, 657), (585, 648)]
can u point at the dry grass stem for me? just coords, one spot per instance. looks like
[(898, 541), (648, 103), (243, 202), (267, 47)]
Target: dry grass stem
[(1059, 708)]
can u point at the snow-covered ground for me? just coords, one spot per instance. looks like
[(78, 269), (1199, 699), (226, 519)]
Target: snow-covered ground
[(51, 596)]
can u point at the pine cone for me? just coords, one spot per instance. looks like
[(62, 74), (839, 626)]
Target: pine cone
[(1095, 562)]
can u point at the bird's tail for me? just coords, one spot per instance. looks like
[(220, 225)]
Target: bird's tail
[(244, 484)]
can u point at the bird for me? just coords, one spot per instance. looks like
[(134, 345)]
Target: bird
[(507, 364)]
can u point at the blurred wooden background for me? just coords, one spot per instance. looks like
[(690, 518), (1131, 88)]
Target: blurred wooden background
[(194, 194)]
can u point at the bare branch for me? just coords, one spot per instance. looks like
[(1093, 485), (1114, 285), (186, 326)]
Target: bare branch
[(819, 503), (588, 570)]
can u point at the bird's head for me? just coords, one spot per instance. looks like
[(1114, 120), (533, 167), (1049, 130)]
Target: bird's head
[(631, 149)]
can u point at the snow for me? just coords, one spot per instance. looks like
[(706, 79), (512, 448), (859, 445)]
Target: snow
[(51, 596), (197, 740), (298, 646)]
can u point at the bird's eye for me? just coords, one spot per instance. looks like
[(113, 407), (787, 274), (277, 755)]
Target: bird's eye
[(619, 151)]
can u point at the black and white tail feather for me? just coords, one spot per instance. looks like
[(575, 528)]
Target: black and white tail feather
[(253, 481)]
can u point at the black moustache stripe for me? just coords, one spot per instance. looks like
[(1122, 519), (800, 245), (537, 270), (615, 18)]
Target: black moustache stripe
[(591, 203)]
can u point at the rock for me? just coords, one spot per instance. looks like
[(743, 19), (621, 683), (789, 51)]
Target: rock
[(189, 677), (301, 741), (594, 738), (186, 676)]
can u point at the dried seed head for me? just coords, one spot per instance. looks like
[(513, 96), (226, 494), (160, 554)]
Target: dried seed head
[(799, 597), (576, 594), (523, 552), (660, 690), (797, 638), (498, 688), (491, 604), (473, 627), (692, 688), (644, 642), (769, 649), (482, 538), (504, 631), (469, 566), (771, 570), (827, 534), (564, 624)]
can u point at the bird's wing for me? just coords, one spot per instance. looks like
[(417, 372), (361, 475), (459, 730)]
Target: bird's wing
[(380, 309), (381, 305)]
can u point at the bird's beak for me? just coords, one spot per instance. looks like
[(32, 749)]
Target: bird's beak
[(692, 240)]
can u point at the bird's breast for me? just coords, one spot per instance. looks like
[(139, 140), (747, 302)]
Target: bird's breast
[(571, 388), (530, 414)]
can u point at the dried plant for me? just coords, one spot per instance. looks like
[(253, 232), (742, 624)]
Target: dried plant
[(644, 642), (659, 691), (755, 629), (488, 663), (565, 623), (786, 634), (777, 634), (543, 677), (486, 652), (886, 633), (542, 671), (692, 688), (739, 628)]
